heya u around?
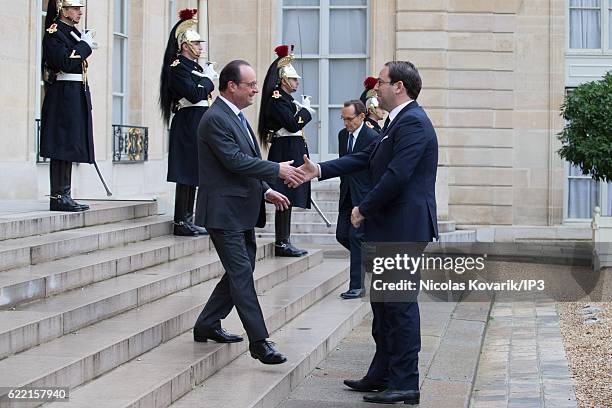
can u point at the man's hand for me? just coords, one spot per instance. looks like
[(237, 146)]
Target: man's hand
[(356, 217), (293, 176), (309, 169), (280, 201)]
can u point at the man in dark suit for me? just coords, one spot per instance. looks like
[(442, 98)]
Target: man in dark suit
[(401, 207), (355, 137), (230, 204)]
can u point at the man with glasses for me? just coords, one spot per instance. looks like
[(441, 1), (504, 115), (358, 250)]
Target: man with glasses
[(281, 126), (400, 208), (355, 137), (233, 186)]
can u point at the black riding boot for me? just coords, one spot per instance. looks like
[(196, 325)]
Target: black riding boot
[(60, 175), (192, 198), (183, 211), (283, 246)]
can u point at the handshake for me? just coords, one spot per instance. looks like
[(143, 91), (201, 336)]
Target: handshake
[(296, 176)]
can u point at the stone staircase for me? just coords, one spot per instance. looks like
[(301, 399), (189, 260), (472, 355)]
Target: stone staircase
[(307, 227), (103, 302)]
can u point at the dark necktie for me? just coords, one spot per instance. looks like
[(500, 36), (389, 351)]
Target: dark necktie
[(385, 125), (246, 127), (351, 141)]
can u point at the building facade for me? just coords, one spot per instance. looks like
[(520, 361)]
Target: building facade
[(495, 73)]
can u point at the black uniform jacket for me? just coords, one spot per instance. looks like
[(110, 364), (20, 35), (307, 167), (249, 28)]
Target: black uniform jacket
[(66, 131), (281, 112), (183, 151)]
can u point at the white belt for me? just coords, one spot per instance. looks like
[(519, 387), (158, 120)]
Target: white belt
[(69, 77), (186, 104), (282, 132)]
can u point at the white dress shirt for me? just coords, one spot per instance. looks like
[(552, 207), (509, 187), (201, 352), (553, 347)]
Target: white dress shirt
[(355, 135)]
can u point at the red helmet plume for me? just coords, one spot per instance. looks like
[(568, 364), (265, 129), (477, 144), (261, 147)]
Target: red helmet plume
[(369, 83), (282, 51), (187, 14)]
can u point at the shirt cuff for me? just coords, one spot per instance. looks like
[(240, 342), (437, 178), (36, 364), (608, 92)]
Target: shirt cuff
[(266, 193), (319, 170)]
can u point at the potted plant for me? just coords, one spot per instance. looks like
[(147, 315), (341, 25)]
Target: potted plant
[(587, 144)]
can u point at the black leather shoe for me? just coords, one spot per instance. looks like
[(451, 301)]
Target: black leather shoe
[(284, 248), (83, 206), (197, 228), (392, 396), (183, 229), (218, 335), (64, 203), (366, 385), (352, 294), (265, 352)]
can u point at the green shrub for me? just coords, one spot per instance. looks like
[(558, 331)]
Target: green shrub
[(587, 136)]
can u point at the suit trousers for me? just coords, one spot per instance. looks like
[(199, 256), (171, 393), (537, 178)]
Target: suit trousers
[(236, 251), (351, 238), (396, 329)]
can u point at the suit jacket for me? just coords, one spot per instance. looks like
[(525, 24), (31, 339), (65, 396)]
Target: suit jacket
[(402, 164), (354, 187), (232, 175)]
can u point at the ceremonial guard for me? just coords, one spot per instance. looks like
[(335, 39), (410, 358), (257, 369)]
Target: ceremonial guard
[(281, 127), (369, 99), (185, 90), (66, 132)]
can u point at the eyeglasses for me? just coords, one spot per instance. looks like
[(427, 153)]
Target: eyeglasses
[(347, 119), (252, 85), (380, 82)]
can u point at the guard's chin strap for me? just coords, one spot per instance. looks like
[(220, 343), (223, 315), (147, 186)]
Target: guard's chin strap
[(195, 54), (376, 115), (63, 17), (288, 84)]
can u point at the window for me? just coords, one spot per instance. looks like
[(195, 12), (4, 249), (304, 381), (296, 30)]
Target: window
[(331, 56), (582, 193), (172, 16), (589, 25), (120, 46)]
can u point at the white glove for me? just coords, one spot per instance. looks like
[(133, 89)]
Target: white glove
[(308, 108), (306, 101), (88, 38), (209, 72)]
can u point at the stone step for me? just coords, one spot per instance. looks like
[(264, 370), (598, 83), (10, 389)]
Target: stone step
[(50, 278), (332, 184), (325, 195), (302, 228), (325, 206), (329, 238), (307, 339), (20, 218), (311, 223), (168, 372), (458, 236), (46, 319), (38, 249), (76, 359), (303, 217), (299, 239)]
